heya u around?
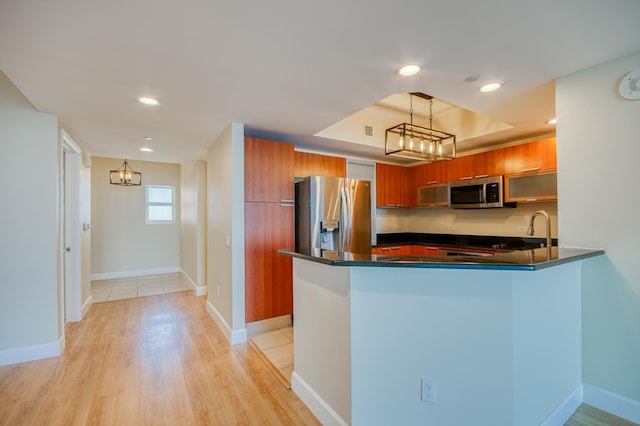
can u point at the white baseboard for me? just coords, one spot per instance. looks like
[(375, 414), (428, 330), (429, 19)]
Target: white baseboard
[(565, 409), (32, 353), (199, 291), (135, 273), (85, 306), (621, 406), (233, 336), (313, 401), (268, 324)]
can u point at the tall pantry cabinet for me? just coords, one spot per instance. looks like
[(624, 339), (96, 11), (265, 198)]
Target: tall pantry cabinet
[(269, 226)]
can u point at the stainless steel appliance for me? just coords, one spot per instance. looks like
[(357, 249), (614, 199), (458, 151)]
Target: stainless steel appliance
[(477, 193), (333, 214)]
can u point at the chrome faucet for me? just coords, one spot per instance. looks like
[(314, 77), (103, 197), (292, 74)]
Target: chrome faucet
[(547, 223)]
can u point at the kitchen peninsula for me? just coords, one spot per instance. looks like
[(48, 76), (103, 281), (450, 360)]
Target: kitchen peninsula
[(498, 336)]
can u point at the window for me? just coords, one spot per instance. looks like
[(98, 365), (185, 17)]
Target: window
[(159, 204)]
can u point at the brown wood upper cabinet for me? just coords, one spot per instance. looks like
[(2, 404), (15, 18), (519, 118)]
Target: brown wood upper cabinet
[(430, 174), (490, 163), (308, 164), (268, 171), (538, 156), (394, 186)]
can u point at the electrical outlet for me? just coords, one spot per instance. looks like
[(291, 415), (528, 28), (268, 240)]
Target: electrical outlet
[(521, 229), (428, 391), (451, 227)]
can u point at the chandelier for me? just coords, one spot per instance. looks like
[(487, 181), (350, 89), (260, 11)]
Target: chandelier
[(125, 176), (415, 142)]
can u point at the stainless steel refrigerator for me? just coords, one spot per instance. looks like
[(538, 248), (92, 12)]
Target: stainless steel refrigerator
[(333, 214)]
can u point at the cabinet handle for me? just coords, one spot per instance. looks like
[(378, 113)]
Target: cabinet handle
[(288, 201), (481, 176), (395, 248), (385, 249), (532, 169), (532, 199), (399, 205), (432, 182), (466, 178), (287, 205)]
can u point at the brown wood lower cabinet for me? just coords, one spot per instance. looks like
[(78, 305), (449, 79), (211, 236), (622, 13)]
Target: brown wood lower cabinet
[(420, 250), (268, 275)]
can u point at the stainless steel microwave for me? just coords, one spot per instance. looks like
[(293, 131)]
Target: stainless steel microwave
[(480, 193)]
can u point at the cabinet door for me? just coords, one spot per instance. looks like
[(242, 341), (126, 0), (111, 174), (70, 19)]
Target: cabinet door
[(461, 168), (394, 186), (433, 195), (430, 174), (268, 275), (490, 163), (531, 157), (420, 250), (531, 187), (384, 185), (308, 164), (268, 170)]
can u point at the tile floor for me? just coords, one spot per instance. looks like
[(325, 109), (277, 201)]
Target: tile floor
[(276, 347), (127, 288)]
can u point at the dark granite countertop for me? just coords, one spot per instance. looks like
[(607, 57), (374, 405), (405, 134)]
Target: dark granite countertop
[(486, 242), (529, 259)]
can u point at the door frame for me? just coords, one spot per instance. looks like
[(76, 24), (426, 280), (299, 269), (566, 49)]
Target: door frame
[(70, 262)]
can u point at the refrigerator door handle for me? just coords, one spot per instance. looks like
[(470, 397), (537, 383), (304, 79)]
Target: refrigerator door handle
[(346, 219)]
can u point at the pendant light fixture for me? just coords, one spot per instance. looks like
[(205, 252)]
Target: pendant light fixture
[(125, 176), (408, 140)]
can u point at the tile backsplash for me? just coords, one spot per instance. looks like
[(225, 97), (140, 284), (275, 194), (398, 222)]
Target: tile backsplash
[(509, 222)]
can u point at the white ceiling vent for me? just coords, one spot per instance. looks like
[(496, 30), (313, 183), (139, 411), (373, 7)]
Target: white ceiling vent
[(368, 130)]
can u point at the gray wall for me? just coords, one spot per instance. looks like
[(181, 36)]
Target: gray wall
[(28, 227), (598, 135), (225, 219)]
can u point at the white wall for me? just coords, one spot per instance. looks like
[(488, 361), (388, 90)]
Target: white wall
[(500, 222), (598, 147), (122, 243), (193, 198), (28, 229), (225, 222)]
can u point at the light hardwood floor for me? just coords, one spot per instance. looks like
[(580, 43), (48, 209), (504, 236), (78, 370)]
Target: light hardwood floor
[(161, 360), (587, 415), (157, 360)]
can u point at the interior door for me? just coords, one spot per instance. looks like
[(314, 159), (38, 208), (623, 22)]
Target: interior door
[(70, 231)]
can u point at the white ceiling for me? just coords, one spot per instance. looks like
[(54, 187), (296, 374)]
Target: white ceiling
[(288, 69)]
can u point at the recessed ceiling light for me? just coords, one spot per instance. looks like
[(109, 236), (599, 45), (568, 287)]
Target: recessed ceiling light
[(147, 138), (552, 121), (491, 87), (409, 70), (148, 101), (144, 149)]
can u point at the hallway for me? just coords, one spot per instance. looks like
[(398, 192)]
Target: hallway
[(149, 360)]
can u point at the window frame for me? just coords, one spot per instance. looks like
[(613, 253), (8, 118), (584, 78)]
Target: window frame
[(153, 204)]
